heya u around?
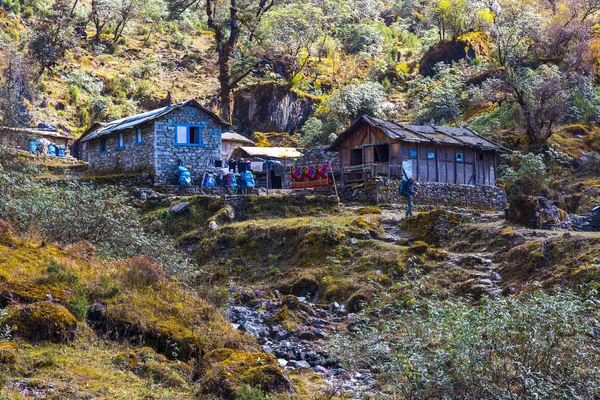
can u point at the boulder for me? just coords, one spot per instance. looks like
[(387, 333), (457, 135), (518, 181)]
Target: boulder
[(223, 216), (535, 212), (467, 46), (432, 227), (224, 372), (42, 321), (8, 352), (181, 207)]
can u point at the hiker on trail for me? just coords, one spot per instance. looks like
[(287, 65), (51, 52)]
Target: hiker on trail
[(407, 189)]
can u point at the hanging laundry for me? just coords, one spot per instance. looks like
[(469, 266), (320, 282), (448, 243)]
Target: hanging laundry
[(256, 166), (310, 176)]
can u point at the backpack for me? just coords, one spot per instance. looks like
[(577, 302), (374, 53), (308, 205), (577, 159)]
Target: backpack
[(403, 189)]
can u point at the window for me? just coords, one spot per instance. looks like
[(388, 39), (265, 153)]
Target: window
[(188, 135), (102, 145), (460, 157), (120, 141), (431, 155), (413, 153), (194, 135), (481, 157), (139, 138), (382, 153)]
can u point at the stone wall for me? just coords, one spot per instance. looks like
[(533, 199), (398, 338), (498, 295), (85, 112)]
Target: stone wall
[(319, 155), (432, 193), (195, 158), (132, 158)]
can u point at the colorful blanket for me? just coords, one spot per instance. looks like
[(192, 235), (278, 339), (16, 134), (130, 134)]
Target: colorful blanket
[(310, 176)]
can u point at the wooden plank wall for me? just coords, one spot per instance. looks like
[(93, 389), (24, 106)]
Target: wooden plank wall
[(477, 167)]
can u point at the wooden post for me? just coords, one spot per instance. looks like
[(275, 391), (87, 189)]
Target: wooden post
[(268, 173), (334, 185), (437, 164), (455, 166), (475, 165), (418, 175), (484, 166)]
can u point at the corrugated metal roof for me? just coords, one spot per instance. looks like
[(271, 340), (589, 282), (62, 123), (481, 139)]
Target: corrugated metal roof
[(275, 152), (235, 137), (140, 119), (443, 135)]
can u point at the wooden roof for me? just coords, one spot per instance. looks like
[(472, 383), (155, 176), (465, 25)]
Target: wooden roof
[(433, 134)]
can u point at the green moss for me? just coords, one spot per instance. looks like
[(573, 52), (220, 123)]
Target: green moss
[(434, 227), (419, 248), (225, 372), (172, 321), (42, 321), (8, 352)]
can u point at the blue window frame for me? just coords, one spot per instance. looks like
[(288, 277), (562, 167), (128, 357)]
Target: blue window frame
[(413, 153), (102, 145), (139, 138), (188, 135), (431, 155), (120, 141), (460, 157)]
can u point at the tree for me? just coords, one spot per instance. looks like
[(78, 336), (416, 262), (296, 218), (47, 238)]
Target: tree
[(52, 37), (542, 95), (229, 20), (355, 100), (103, 13), (15, 87), (129, 10), (290, 32)]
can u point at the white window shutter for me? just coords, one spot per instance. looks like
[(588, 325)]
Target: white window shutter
[(182, 134)]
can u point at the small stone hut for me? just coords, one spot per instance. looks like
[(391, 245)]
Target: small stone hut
[(19, 138), (155, 142), (375, 147)]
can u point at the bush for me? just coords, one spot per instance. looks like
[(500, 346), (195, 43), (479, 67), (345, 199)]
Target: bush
[(523, 173), (542, 346), (78, 304), (73, 96), (144, 271), (43, 321), (59, 273), (6, 231)]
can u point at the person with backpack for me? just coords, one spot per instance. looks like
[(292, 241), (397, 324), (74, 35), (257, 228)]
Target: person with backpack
[(407, 190)]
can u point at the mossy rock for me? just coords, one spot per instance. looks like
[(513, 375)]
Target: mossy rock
[(467, 46), (224, 373), (419, 247), (42, 321), (357, 302), (434, 227), (304, 286), (146, 363), (8, 352), (170, 320), (223, 216), (368, 210)]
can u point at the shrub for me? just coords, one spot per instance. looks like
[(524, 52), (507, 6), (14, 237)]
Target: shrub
[(73, 94), (144, 271), (523, 173), (6, 231), (542, 346), (82, 249), (78, 304), (59, 273)]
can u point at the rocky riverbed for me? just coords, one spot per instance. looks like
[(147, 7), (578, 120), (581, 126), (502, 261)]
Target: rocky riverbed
[(299, 334)]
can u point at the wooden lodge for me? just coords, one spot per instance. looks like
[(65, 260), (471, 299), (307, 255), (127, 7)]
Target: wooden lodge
[(375, 147)]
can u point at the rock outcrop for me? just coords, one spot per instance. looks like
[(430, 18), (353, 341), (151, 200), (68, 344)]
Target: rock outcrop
[(271, 107), (467, 46), (536, 212)]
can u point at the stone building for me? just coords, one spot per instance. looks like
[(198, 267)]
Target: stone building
[(156, 142), (373, 147), (19, 138)]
